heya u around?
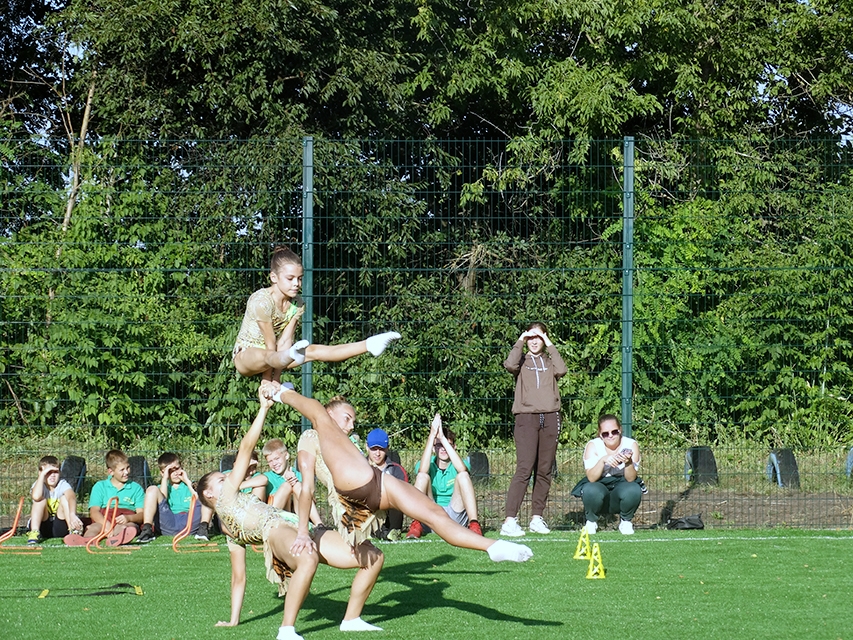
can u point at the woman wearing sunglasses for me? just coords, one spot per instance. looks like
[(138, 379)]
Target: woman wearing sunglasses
[(611, 462)]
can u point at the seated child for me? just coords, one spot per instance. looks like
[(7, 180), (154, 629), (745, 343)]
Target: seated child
[(377, 454), (167, 505), (54, 512), (253, 482), (445, 477), (281, 479), (131, 500), (283, 483)]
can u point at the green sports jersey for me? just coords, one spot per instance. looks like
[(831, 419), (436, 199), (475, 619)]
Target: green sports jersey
[(179, 498), (443, 481), (130, 496), (274, 481)]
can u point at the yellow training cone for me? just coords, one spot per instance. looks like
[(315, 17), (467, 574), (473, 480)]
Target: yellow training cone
[(583, 552), (596, 567)]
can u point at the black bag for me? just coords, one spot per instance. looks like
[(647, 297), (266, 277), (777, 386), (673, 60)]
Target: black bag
[(687, 522)]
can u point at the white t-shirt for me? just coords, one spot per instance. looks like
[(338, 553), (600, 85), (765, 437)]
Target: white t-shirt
[(596, 450), (53, 496)]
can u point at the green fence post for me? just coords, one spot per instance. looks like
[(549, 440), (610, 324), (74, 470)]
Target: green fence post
[(307, 261), (627, 284)]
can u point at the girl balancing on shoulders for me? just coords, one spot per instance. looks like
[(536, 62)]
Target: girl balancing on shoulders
[(265, 343)]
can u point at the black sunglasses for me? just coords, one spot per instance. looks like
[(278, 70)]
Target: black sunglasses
[(607, 434)]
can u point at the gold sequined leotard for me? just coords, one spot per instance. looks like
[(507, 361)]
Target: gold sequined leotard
[(356, 523), (250, 521), (261, 306)]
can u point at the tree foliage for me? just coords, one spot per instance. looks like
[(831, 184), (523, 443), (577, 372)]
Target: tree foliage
[(468, 180), (743, 289), (443, 68)]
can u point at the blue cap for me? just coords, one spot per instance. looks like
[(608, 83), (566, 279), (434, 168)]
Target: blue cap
[(377, 438)]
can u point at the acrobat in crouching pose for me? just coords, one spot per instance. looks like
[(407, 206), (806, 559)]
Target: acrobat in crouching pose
[(265, 345), (247, 520)]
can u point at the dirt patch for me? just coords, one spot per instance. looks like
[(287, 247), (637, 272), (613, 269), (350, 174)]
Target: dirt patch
[(719, 508)]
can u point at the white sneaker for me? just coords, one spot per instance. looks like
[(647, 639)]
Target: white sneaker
[(510, 528), (537, 525), (590, 527), (288, 633), (357, 624), (376, 344), (626, 528)]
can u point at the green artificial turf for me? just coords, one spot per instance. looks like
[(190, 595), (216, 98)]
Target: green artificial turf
[(658, 584)]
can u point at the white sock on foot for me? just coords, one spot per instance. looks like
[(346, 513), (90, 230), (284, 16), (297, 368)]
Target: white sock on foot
[(284, 386), (357, 624), (506, 550), (377, 344), (297, 351), (288, 633)]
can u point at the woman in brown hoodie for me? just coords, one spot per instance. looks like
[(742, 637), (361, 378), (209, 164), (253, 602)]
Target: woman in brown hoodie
[(537, 423)]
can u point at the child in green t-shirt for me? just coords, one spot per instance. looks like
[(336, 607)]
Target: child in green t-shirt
[(167, 505), (130, 497)]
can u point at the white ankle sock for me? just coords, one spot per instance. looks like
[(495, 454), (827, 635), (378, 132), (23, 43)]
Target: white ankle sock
[(377, 344), (357, 624), (284, 386), (288, 633), (297, 351), (505, 550)]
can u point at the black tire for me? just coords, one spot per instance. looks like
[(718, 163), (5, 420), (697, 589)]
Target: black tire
[(227, 462), (782, 468), (73, 471), (700, 466), (139, 471), (479, 462)]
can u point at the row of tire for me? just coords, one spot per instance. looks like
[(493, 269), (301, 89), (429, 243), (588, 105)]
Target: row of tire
[(700, 467)]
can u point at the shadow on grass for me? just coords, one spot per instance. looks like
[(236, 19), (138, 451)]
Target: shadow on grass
[(120, 589), (420, 590)]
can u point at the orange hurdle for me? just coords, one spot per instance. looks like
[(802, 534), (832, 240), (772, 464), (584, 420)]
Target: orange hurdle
[(18, 549), (106, 531), (199, 547)]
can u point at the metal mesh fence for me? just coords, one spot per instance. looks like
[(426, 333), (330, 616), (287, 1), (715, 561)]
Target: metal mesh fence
[(747, 487), (122, 298)]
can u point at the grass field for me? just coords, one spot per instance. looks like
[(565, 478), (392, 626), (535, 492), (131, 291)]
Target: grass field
[(771, 583)]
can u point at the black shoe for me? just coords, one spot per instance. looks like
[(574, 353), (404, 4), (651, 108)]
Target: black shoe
[(201, 533), (147, 534)]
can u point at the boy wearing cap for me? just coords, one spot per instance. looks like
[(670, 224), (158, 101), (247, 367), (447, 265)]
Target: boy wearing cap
[(377, 454), (442, 475)]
